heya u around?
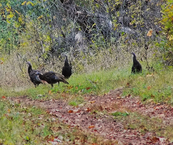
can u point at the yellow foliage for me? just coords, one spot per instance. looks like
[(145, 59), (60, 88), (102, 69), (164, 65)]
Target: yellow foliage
[(11, 15), (29, 3), (23, 3), (8, 5), (170, 37), (17, 12), (40, 17), (0, 5), (20, 19), (8, 21)]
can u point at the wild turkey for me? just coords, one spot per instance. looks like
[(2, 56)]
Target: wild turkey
[(136, 68), (34, 75), (66, 70), (52, 78)]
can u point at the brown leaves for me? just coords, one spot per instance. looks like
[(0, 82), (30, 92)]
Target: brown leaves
[(92, 102), (88, 109), (50, 92), (153, 140), (70, 111), (87, 88), (149, 87), (3, 97), (91, 126), (149, 34)]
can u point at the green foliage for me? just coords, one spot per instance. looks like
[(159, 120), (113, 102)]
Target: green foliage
[(167, 31), (120, 114)]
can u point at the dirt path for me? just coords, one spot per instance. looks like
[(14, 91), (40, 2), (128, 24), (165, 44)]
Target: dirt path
[(94, 116)]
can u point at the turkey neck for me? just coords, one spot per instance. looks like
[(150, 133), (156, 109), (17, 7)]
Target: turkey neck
[(29, 69), (66, 62), (134, 58)]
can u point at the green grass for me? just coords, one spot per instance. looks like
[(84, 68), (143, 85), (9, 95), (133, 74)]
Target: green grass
[(75, 101), (23, 125), (155, 86), (120, 114)]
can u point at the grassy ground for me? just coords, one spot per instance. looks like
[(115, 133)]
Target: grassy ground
[(19, 124), (31, 125), (154, 86)]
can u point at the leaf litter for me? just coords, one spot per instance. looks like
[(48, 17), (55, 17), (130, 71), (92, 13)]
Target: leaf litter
[(96, 117)]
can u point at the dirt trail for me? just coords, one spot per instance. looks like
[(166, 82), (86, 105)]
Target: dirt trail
[(86, 118)]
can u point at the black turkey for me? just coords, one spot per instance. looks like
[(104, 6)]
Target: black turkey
[(136, 68), (66, 70), (52, 78), (34, 75)]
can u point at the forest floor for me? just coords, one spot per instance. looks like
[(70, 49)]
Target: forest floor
[(116, 118)]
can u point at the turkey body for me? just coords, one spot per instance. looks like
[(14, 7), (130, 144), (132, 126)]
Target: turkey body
[(67, 69), (52, 78), (136, 68), (34, 75)]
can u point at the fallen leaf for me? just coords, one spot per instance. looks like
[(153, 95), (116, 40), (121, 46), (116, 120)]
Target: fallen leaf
[(69, 87), (87, 109), (149, 87), (152, 96), (49, 138), (150, 75), (150, 33), (154, 139), (50, 92), (3, 97), (128, 84), (92, 102), (87, 88), (70, 111), (91, 126)]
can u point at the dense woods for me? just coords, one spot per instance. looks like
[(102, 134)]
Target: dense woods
[(96, 31)]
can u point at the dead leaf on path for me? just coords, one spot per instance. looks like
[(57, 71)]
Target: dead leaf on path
[(92, 102), (49, 138), (70, 111), (91, 126), (87, 109), (154, 139)]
